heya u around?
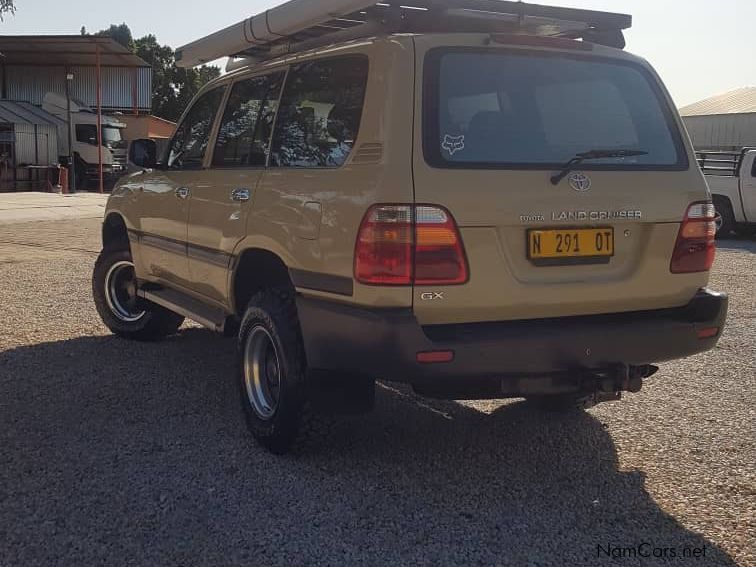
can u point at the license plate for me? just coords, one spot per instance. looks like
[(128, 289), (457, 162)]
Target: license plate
[(565, 246)]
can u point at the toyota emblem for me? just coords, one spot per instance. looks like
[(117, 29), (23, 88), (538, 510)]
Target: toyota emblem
[(580, 182)]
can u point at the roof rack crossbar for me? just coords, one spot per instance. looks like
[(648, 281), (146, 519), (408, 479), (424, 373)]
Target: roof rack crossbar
[(281, 29)]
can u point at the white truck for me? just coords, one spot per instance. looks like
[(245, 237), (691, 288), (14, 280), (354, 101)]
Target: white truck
[(732, 180), (84, 133)]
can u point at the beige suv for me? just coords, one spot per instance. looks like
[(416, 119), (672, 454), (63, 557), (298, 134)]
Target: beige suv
[(479, 215)]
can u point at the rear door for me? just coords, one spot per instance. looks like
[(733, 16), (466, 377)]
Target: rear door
[(223, 194), (496, 123)]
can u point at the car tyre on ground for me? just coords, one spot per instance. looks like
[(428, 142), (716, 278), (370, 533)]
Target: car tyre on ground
[(725, 218), (272, 371), (114, 287)]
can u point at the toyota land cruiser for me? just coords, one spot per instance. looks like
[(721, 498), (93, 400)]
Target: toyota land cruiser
[(479, 204)]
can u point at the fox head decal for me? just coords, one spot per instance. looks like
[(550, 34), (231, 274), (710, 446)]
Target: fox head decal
[(453, 144)]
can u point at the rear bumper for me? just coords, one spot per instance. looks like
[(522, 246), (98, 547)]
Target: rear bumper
[(384, 343)]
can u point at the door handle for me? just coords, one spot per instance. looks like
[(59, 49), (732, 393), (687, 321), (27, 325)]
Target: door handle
[(182, 192), (241, 195)]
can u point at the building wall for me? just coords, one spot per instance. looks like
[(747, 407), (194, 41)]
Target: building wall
[(122, 87), (722, 131), (36, 147), (146, 126)]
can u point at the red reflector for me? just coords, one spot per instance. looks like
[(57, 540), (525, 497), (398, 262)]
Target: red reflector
[(433, 356), (708, 332)]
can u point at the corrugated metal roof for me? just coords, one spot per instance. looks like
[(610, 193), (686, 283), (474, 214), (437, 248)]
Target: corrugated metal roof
[(66, 50), (12, 112), (739, 101)]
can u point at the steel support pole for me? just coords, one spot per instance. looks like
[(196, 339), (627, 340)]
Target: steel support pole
[(99, 119), (71, 163)]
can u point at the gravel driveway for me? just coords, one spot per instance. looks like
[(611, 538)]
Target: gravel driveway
[(118, 453)]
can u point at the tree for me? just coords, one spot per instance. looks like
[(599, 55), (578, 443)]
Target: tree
[(172, 87), (160, 57), (120, 33), (7, 7)]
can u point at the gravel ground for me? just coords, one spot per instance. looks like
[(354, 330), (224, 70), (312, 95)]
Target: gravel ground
[(136, 454)]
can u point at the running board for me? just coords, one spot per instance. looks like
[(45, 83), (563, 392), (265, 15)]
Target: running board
[(211, 317)]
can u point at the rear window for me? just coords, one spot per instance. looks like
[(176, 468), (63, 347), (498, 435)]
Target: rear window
[(525, 110)]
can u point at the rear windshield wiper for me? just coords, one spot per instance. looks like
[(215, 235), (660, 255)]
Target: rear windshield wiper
[(593, 154)]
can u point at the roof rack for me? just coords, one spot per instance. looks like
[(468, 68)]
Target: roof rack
[(298, 25)]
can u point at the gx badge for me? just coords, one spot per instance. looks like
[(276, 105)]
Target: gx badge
[(432, 295)]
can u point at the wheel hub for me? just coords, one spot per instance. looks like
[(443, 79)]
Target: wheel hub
[(121, 292), (262, 372)]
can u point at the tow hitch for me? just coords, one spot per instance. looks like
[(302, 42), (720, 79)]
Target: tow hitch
[(607, 386)]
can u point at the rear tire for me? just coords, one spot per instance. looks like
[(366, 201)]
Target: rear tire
[(272, 371), (725, 218), (114, 288)]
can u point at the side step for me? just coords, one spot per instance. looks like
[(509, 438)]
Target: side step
[(211, 317)]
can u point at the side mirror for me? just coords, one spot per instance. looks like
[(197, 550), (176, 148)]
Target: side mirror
[(143, 153)]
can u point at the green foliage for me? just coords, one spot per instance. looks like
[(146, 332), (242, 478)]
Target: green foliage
[(121, 33), (172, 88), (7, 7)]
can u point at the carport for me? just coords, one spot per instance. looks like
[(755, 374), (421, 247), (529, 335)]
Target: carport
[(75, 66), (28, 145)]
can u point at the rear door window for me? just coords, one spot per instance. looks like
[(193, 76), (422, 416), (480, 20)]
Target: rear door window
[(534, 110), (246, 127), (320, 112)]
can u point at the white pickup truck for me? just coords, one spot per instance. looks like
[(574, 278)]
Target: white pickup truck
[(732, 180)]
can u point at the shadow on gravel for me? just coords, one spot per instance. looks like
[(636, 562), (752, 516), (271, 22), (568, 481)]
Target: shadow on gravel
[(744, 243), (123, 453)]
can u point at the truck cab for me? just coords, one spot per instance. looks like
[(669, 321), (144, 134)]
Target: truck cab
[(85, 149), (732, 180)]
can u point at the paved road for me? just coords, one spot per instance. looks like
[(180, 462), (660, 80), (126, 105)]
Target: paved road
[(116, 453), (27, 207)]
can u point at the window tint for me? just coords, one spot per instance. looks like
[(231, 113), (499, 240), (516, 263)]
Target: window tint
[(502, 109), (244, 135), (753, 168), (189, 144), (320, 113)]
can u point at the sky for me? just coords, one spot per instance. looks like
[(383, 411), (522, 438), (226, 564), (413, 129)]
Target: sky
[(699, 47)]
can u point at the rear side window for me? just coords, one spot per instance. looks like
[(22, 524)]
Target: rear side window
[(320, 113), (189, 144), (534, 110), (244, 134)]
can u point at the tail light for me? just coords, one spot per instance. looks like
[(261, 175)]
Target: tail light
[(405, 245), (695, 248)]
